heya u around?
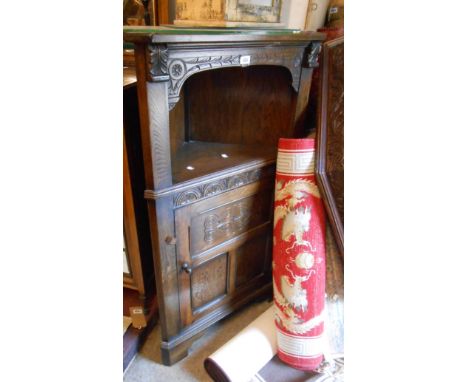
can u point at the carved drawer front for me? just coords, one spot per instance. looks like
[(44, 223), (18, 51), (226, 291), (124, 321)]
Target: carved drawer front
[(221, 218), (223, 249), (219, 224)]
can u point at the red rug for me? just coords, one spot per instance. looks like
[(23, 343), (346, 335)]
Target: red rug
[(298, 256)]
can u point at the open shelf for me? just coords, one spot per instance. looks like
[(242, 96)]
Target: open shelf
[(196, 159)]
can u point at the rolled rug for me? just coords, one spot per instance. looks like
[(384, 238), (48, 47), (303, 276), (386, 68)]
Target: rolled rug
[(250, 356), (298, 256), (236, 359), (246, 353)]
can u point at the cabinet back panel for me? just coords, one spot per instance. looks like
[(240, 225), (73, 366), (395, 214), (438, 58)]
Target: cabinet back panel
[(252, 105)]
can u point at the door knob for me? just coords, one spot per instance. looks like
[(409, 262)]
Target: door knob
[(186, 267)]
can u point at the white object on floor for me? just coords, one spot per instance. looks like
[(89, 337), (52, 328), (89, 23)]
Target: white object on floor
[(254, 346)]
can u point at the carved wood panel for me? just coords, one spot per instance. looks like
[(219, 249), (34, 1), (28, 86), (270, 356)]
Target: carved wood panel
[(209, 281), (216, 225), (175, 66), (212, 188), (237, 220)]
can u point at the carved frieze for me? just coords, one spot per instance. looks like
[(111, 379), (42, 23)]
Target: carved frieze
[(163, 67), (188, 196), (192, 65), (216, 187)]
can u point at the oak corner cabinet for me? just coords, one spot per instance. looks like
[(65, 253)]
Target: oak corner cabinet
[(212, 105)]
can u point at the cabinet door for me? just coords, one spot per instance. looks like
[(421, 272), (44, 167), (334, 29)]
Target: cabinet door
[(223, 248)]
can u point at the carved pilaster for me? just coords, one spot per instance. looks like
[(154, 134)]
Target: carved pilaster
[(157, 62), (312, 55)]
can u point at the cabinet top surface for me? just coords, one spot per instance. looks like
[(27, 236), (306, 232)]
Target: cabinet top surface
[(172, 34)]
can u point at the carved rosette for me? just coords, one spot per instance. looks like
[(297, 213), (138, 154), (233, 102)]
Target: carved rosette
[(217, 187), (181, 69)]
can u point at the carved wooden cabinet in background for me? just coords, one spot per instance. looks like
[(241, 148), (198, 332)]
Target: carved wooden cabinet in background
[(209, 141)]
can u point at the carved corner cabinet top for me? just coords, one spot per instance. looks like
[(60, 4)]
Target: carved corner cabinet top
[(174, 54)]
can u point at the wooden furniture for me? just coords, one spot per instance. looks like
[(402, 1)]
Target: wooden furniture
[(330, 135), (139, 284), (212, 107), (137, 241)]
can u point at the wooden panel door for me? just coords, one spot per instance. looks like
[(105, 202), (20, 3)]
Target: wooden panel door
[(223, 248)]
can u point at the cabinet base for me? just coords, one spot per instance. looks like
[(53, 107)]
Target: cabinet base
[(176, 353), (177, 349)]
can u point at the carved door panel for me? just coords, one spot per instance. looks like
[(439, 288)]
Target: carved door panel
[(223, 248)]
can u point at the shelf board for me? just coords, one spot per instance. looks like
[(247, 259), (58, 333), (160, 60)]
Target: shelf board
[(196, 159)]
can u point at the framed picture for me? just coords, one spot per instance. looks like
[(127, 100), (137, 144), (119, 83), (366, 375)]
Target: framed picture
[(228, 13), (259, 11)]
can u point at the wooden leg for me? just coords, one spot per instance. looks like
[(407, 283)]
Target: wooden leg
[(171, 355)]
